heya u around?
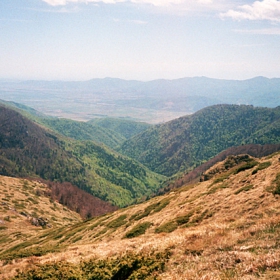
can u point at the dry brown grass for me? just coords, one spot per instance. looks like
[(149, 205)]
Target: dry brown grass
[(233, 231), (20, 201)]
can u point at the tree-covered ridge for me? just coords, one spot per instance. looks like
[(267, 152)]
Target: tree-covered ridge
[(128, 179), (22, 108), (126, 128), (184, 143), (83, 131), (109, 131), (29, 150)]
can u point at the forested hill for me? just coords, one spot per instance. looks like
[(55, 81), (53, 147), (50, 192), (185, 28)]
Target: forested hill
[(29, 150), (186, 142), (126, 128), (109, 131)]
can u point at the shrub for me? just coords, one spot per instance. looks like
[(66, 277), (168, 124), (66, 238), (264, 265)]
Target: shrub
[(167, 227), (244, 189), (261, 166), (54, 270), (99, 223), (125, 267), (138, 230), (7, 218), (153, 208), (248, 165), (117, 222), (22, 251), (276, 189), (202, 216), (181, 220), (221, 178), (34, 201), (101, 232), (217, 187), (172, 225)]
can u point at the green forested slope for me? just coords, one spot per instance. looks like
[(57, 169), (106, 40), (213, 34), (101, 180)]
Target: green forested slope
[(26, 149), (84, 131), (184, 143), (109, 131), (126, 128)]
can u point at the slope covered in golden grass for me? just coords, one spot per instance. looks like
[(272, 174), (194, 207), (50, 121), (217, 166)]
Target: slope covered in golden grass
[(25, 212), (226, 227)]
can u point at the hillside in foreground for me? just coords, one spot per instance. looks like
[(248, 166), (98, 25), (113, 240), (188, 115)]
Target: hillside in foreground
[(225, 227), (26, 209)]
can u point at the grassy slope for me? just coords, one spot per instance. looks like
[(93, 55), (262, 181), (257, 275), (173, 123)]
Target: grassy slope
[(223, 228), (254, 150), (22, 201), (185, 143), (30, 150)]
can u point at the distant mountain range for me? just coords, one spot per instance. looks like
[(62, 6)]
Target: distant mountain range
[(154, 101)]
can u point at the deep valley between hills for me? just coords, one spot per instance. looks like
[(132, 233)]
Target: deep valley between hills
[(196, 197)]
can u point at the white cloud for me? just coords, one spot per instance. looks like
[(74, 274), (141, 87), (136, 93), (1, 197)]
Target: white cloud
[(65, 2), (264, 31), (55, 2), (153, 2), (205, 1), (134, 21), (259, 10), (158, 2)]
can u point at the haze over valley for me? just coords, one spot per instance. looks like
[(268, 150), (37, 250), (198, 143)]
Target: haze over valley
[(152, 102)]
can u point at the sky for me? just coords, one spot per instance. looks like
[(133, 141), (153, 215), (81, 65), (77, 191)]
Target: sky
[(139, 39)]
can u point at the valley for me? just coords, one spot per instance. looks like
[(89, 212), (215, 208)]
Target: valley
[(226, 227), (29, 150), (139, 140), (155, 101), (196, 197)]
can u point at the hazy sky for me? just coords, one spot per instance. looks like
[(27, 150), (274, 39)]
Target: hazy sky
[(139, 39)]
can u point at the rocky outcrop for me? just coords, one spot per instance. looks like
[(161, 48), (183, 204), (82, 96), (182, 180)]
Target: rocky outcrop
[(43, 222)]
